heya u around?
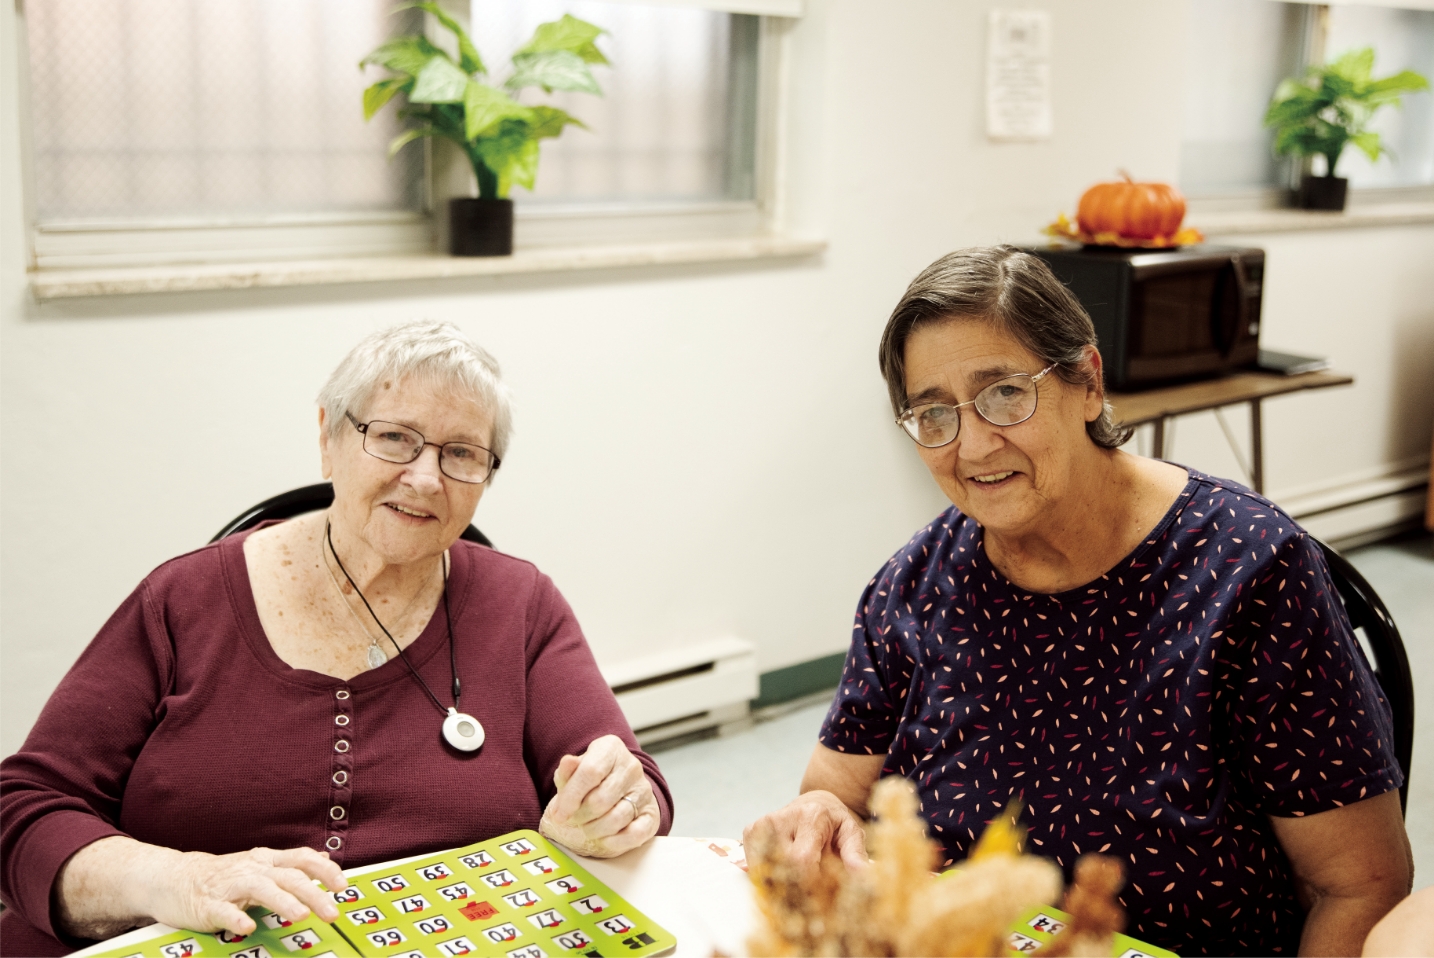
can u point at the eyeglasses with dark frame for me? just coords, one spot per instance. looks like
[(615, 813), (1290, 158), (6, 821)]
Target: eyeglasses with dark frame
[(1008, 401), (392, 442)]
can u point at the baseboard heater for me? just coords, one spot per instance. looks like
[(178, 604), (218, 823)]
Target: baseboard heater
[(678, 692)]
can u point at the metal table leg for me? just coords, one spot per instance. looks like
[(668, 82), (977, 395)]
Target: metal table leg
[(1157, 443)]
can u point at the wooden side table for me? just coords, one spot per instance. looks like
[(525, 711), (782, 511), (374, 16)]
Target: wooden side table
[(1156, 406)]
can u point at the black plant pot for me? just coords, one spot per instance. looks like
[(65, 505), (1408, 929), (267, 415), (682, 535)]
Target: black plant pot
[(480, 227), (1321, 192)]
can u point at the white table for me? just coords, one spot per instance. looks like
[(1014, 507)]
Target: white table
[(686, 885), (702, 898)]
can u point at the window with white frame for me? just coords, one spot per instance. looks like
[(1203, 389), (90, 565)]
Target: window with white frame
[(205, 130), (1237, 51)]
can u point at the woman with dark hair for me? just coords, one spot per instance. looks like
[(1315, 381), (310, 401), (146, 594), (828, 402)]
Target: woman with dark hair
[(1152, 659)]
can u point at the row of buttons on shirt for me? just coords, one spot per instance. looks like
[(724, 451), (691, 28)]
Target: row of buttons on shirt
[(341, 777)]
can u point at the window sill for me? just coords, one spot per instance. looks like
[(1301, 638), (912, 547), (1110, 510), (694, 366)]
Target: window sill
[(1237, 222), (52, 284)]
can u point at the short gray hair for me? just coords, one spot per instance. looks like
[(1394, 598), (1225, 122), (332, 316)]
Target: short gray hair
[(1017, 293), (438, 353)]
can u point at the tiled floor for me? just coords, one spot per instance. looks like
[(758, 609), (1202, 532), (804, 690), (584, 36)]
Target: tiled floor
[(721, 784)]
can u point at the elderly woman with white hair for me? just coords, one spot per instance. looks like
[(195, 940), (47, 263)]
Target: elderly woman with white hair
[(343, 688)]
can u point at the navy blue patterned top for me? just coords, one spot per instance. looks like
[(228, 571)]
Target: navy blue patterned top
[(1157, 714)]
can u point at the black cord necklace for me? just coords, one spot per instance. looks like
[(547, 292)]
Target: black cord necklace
[(462, 731)]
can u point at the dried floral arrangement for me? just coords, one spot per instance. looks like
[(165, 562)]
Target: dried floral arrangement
[(898, 906)]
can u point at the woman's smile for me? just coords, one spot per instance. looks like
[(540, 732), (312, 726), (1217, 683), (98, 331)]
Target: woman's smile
[(992, 480), (411, 513)]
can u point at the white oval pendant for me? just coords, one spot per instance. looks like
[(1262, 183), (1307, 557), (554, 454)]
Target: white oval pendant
[(376, 657), (463, 732)]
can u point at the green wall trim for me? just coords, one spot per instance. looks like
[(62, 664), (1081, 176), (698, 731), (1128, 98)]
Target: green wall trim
[(804, 678)]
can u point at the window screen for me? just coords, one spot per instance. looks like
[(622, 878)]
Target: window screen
[(218, 110), (1236, 53), (1402, 40), (677, 118), (206, 109)]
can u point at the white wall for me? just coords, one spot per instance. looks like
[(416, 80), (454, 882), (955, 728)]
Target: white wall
[(701, 450), (1365, 299)]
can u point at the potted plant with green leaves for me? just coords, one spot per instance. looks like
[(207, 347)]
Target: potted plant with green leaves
[(453, 99), (1329, 108)]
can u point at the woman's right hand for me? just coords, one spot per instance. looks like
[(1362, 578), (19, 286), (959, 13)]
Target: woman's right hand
[(115, 882), (812, 825), (826, 817), (208, 892)]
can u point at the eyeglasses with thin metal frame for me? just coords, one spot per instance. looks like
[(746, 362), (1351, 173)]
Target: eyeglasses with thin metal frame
[(392, 442), (1008, 401)]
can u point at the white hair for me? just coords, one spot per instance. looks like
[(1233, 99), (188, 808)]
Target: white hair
[(438, 353)]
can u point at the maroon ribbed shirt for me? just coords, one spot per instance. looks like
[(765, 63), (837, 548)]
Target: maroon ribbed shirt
[(180, 726)]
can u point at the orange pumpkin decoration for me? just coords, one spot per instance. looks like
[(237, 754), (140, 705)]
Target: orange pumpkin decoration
[(1146, 211)]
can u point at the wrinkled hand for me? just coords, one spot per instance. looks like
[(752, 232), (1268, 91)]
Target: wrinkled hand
[(209, 892), (812, 825), (604, 805)]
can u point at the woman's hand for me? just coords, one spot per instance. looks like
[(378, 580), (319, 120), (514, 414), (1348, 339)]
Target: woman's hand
[(604, 805), (826, 817), (209, 892), (117, 882), (812, 825)]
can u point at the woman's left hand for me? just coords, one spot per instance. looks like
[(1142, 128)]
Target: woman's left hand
[(604, 805)]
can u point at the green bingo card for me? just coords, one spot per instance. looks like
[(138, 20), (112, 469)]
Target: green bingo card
[(274, 938), (1039, 925), (516, 896)]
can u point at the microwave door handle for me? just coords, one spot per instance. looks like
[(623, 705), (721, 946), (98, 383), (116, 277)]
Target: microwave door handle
[(1242, 288), (1242, 282), (1224, 335)]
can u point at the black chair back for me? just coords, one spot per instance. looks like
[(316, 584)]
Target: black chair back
[(1391, 664), (296, 502)]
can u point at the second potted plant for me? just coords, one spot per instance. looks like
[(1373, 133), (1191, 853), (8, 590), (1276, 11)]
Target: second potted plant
[(448, 98), (1328, 109)]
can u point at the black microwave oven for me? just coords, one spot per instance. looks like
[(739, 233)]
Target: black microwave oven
[(1166, 315)]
